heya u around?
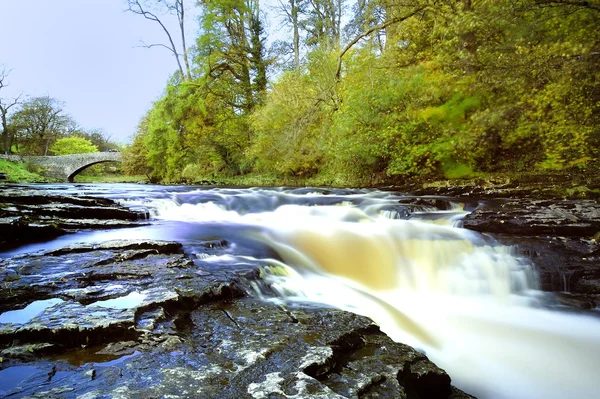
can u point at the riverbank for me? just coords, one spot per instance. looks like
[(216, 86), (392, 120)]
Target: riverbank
[(507, 185), (574, 185), (111, 178), (14, 172), (533, 185), (138, 319)]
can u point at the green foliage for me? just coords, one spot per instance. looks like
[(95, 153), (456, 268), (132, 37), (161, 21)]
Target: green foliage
[(72, 145), (39, 123), (458, 171), (289, 129), (110, 178), (133, 157), (18, 173), (459, 88)]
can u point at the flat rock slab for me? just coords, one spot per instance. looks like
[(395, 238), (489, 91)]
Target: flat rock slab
[(535, 218), (99, 287), (29, 216)]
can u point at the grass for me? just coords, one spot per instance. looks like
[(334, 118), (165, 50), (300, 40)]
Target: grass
[(16, 172), (259, 180), (110, 178)]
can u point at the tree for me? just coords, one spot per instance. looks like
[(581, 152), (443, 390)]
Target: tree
[(323, 23), (72, 145), (5, 106), (134, 156), (177, 8), (389, 22), (40, 121), (97, 137), (416, 87), (231, 53), (292, 11), (293, 124)]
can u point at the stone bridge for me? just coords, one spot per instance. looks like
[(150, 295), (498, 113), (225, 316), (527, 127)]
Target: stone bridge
[(66, 167)]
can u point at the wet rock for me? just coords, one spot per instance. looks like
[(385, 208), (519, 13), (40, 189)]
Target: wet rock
[(534, 218), (27, 216), (584, 302), (250, 349), (557, 236), (27, 352), (72, 211), (19, 230), (426, 379), (522, 185), (71, 324), (158, 247), (102, 288)]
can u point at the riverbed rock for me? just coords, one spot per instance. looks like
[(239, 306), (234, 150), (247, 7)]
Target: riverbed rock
[(537, 217), (569, 267), (28, 216), (142, 319)]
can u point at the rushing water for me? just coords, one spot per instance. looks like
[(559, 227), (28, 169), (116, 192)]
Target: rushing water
[(471, 304)]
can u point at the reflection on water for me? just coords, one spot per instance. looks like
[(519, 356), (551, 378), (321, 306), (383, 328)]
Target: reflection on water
[(471, 304), (93, 355), (32, 310), (12, 377), (130, 301)]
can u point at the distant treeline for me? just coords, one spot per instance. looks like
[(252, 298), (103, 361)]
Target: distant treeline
[(40, 126)]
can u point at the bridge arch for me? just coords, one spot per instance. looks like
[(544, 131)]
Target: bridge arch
[(71, 177)]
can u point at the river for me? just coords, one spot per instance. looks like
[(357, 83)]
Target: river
[(471, 304)]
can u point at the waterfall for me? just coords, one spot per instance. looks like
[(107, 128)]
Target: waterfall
[(472, 305)]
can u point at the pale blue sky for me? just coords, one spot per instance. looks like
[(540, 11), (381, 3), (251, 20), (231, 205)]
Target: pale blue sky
[(83, 52)]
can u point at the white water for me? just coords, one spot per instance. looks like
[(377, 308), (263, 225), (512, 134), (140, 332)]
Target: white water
[(470, 304)]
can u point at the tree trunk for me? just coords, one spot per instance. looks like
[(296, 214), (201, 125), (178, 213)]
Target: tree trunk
[(294, 6), (181, 16), (5, 135)]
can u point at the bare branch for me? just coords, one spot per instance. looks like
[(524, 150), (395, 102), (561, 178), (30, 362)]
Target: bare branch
[(136, 8), (144, 45), (11, 104), (285, 10), (3, 76), (367, 33), (3, 83), (179, 8)]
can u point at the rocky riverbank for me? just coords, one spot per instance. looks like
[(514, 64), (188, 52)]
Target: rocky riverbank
[(28, 215), (553, 220), (140, 319)]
